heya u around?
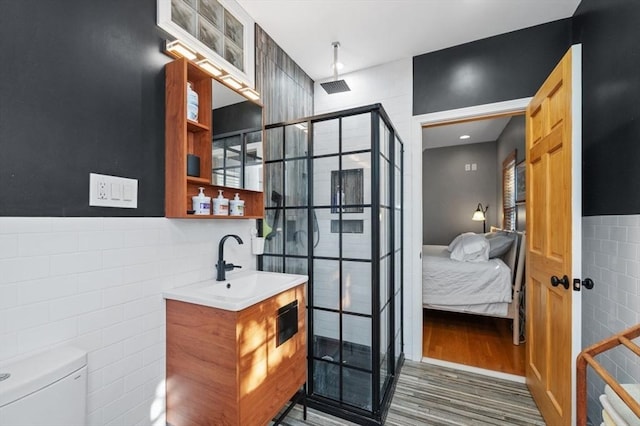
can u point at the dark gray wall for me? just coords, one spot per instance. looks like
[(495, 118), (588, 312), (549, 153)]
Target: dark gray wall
[(451, 194), (512, 137), (81, 90), (236, 117), (501, 68), (609, 32)]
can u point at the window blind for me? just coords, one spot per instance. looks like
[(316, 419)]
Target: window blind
[(509, 192)]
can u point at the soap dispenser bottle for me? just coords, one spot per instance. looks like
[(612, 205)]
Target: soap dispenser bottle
[(201, 203), (236, 206), (220, 205)]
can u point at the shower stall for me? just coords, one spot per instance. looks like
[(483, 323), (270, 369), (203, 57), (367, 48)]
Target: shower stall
[(333, 194)]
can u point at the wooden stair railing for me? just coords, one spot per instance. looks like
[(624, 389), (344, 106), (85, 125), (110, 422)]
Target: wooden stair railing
[(586, 357)]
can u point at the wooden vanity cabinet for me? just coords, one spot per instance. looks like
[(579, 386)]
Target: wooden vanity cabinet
[(223, 367)]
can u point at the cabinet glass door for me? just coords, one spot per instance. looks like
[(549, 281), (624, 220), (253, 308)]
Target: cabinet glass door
[(227, 161)]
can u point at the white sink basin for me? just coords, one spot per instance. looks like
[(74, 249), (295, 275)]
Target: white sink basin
[(240, 290)]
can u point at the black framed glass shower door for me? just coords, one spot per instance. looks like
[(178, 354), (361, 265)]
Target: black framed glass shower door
[(334, 211)]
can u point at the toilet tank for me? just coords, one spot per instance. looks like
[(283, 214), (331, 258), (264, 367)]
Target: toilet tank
[(49, 388)]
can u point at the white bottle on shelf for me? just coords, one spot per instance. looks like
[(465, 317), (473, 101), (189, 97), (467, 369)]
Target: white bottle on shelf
[(236, 206), (192, 103), (220, 205), (201, 203)]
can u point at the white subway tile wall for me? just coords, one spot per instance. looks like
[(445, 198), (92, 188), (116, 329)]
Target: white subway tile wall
[(611, 246), (97, 283), (389, 84)]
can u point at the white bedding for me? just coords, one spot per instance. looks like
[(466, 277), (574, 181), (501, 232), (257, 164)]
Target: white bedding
[(481, 287), (497, 309)]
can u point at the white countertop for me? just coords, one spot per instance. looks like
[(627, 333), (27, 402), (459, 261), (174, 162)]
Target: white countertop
[(240, 290)]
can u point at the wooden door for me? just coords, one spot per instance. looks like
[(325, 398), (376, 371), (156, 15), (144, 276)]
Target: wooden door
[(553, 226)]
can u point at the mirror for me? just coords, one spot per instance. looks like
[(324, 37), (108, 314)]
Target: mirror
[(237, 140)]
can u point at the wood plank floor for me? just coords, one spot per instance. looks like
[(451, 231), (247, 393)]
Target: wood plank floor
[(432, 395), (473, 340)]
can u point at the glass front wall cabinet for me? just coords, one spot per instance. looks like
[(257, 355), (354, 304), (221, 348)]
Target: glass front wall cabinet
[(333, 204)]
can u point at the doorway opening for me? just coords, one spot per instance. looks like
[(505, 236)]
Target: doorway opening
[(469, 164)]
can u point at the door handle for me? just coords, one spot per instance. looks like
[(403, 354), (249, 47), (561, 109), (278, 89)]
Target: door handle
[(587, 283), (564, 281)]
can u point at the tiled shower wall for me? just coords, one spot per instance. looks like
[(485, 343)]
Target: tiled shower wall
[(97, 283), (611, 257)]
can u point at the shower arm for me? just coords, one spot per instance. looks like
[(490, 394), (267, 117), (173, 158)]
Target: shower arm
[(335, 60)]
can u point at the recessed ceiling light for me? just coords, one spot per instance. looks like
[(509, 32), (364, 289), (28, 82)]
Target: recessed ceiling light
[(465, 137)]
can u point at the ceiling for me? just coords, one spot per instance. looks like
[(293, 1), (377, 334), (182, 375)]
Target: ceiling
[(479, 131), (374, 32)]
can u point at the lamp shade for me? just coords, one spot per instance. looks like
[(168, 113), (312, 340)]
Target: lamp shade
[(479, 214)]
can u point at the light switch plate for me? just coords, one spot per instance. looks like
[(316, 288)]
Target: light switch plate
[(112, 191)]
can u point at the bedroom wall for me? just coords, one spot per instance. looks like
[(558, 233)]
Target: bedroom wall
[(611, 231), (512, 137), (451, 194)]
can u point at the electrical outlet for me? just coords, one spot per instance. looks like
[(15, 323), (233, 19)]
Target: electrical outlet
[(112, 191), (102, 189)]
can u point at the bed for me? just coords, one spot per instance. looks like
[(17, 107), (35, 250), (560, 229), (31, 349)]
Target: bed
[(455, 280)]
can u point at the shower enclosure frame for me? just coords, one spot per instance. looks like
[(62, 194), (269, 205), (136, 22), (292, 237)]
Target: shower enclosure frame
[(381, 386)]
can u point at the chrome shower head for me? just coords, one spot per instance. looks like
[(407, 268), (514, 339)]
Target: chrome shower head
[(335, 86)]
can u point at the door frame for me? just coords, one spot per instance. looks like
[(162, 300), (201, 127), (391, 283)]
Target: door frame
[(576, 224), (414, 292)]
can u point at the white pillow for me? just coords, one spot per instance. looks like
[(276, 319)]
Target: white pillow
[(471, 248), (457, 240)]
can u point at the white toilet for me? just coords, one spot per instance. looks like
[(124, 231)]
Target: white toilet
[(48, 389)]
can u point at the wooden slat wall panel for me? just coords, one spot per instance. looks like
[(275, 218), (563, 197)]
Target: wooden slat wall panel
[(286, 90)]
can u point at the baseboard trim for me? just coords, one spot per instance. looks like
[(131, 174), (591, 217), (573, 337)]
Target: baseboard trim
[(477, 370)]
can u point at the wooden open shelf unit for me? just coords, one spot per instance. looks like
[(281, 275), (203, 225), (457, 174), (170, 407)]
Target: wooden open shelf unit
[(184, 137)]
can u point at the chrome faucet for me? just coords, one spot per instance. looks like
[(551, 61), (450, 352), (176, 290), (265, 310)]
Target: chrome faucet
[(223, 266)]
